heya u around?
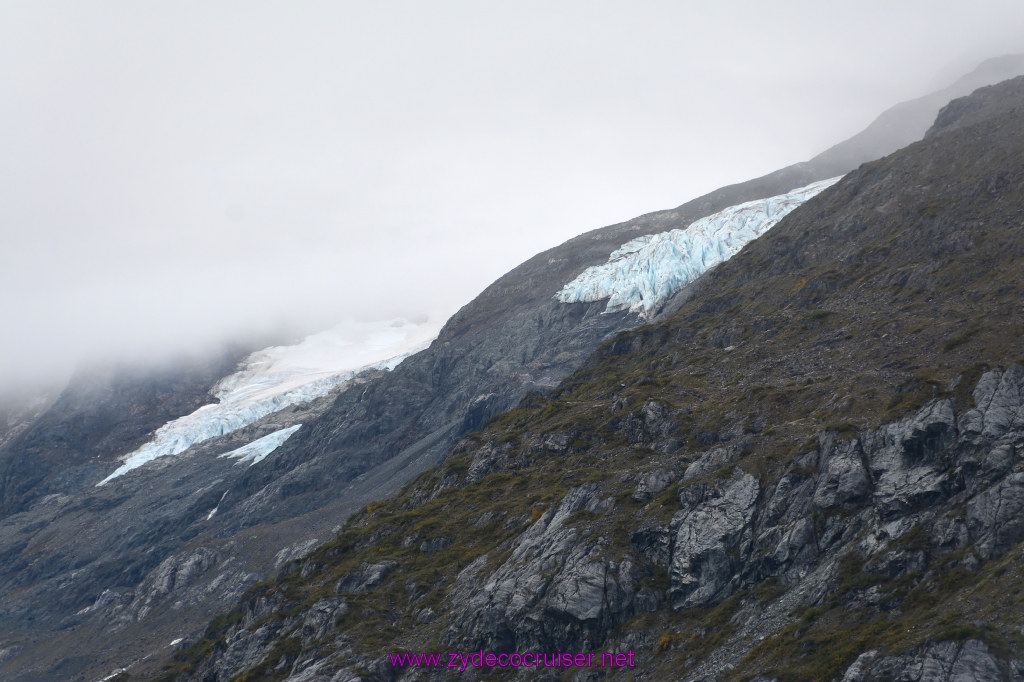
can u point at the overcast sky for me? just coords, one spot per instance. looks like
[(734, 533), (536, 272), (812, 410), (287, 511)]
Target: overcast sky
[(172, 173)]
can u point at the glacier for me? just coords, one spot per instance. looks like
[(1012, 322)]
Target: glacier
[(274, 378), (261, 447), (647, 270)]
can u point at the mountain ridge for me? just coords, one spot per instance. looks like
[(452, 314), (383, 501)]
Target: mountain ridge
[(127, 575), (811, 470)]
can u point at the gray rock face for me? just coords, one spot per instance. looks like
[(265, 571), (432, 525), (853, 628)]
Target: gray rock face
[(796, 544), (998, 403), (858, 672), (898, 562), (710, 461), (553, 588), (367, 578), (970, 661), (996, 516), (174, 573), (647, 424), (486, 458), (320, 619), (653, 544), (843, 478), (789, 501), (653, 483), (905, 462), (950, 532), (434, 544), (492, 457), (701, 569)]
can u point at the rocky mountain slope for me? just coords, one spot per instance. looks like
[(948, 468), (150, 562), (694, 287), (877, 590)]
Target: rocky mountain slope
[(100, 413), (97, 578), (813, 469)]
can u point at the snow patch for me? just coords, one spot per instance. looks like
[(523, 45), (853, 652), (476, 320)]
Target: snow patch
[(214, 510), (274, 378), (261, 447), (647, 270)]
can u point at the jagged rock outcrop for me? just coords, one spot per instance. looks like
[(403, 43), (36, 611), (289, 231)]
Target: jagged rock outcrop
[(701, 569), (365, 579), (552, 588), (998, 403), (557, 588), (996, 517), (653, 483), (173, 573), (843, 479), (938, 662)]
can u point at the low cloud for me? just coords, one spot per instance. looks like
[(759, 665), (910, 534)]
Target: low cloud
[(175, 176)]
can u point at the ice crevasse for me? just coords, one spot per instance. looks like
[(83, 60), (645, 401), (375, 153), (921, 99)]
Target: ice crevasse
[(644, 272)]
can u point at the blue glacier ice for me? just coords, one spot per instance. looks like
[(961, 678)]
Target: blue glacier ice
[(279, 376), (647, 270), (261, 447)]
